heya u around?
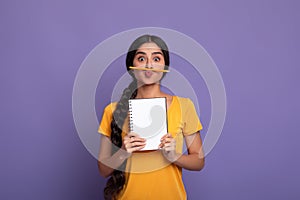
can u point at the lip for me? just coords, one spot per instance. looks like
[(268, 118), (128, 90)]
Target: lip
[(148, 73)]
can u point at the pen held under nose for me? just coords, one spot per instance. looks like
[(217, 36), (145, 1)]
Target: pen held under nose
[(149, 69)]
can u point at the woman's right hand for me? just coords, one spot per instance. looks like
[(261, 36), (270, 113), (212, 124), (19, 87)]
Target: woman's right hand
[(132, 142)]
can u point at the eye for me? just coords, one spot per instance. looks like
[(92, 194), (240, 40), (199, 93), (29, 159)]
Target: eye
[(141, 59), (156, 59)]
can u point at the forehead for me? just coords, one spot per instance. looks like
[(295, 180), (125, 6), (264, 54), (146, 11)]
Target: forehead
[(150, 46)]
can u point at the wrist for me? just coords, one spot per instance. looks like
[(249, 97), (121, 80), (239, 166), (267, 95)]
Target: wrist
[(176, 160), (123, 154)]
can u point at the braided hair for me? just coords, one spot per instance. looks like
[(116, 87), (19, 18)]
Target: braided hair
[(117, 180)]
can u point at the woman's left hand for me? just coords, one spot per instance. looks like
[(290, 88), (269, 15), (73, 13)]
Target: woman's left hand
[(168, 146)]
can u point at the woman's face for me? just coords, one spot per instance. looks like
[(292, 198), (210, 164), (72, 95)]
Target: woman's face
[(148, 55)]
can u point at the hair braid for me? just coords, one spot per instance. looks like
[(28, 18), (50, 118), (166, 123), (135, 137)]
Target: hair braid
[(117, 180)]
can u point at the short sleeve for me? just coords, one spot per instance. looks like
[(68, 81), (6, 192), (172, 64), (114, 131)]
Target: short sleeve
[(104, 127), (191, 120)]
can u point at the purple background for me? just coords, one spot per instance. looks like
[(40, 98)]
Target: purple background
[(253, 43)]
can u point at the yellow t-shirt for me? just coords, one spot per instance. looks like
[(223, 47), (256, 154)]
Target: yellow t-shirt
[(151, 175)]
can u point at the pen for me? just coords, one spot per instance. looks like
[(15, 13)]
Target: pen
[(152, 69)]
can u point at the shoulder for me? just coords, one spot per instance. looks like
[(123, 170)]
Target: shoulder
[(185, 101), (185, 104), (109, 108)]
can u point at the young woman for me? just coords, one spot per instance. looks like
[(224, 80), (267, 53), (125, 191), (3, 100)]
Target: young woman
[(135, 174)]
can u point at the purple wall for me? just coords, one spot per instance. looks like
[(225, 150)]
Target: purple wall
[(253, 43)]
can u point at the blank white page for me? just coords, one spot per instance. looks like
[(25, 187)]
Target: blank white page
[(148, 118)]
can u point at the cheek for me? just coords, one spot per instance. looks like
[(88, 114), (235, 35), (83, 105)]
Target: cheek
[(137, 73), (136, 63), (160, 65), (160, 75)]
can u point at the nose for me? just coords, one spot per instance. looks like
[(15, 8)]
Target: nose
[(149, 63)]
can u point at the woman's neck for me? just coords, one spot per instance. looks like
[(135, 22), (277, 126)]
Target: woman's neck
[(149, 91)]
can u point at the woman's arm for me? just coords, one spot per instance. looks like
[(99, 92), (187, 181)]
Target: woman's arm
[(107, 162), (194, 160)]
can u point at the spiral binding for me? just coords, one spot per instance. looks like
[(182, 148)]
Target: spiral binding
[(130, 117)]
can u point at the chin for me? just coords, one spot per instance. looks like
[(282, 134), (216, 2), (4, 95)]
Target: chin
[(147, 83)]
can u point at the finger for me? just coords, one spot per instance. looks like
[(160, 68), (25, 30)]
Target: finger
[(126, 137), (168, 135), (136, 148), (127, 147), (126, 142), (170, 144), (132, 134), (168, 140), (161, 145), (137, 139), (131, 139), (137, 144), (131, 147), (163, 137), (167, 145), (139, 148)]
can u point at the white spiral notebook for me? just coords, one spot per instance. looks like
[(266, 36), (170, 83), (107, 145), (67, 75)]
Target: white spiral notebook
[(148, 118)]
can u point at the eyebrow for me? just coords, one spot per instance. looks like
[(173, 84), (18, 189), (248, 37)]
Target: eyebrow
[(154, 53)]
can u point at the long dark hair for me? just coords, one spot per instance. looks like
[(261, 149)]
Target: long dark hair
[(117, 180)]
